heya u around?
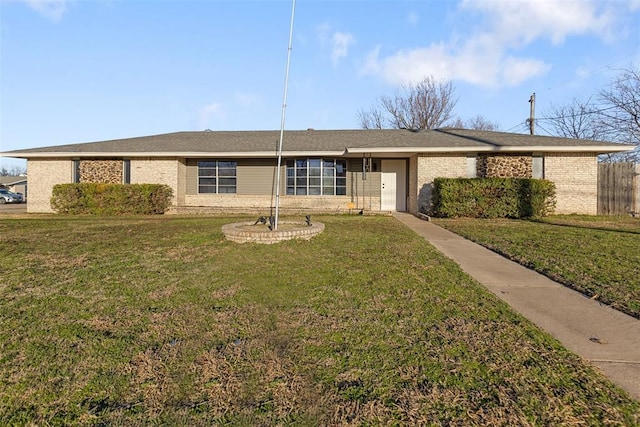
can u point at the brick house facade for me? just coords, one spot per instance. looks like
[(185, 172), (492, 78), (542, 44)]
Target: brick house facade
[(326, 171)]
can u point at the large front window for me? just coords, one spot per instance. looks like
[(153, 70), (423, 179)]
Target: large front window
[(326, 177), (217, 176)]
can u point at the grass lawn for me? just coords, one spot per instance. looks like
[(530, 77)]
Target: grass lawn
[(131, 321), (598, 256)]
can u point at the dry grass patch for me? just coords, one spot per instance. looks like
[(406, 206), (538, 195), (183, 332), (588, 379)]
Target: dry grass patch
[(165, 322)]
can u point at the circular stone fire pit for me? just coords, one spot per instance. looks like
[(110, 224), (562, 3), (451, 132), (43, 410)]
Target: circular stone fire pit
[(244, 232)]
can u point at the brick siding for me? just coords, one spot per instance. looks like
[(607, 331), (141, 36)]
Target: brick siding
[(576, 179)]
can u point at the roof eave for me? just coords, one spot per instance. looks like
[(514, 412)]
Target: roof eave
[(348, 151), (484, 149), (193, 154)]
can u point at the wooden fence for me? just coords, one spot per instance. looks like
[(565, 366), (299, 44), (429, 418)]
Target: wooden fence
[(619, 189)]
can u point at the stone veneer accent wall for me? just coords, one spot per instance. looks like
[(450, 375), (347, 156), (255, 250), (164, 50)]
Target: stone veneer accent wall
[(504, 166), (102, 171), (576, 179), (43, 175), (427, 168)]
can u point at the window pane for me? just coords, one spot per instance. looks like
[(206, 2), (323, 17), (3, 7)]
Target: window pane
[(226, 172), (316, 176), (227, 165), (227, 181), (227, 190), (206, 164), (206, 189), (207, 181), (206, 172)]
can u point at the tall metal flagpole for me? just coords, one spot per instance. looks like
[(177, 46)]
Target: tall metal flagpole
[(284, 108)]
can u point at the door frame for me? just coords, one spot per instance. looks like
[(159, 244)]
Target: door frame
[(397, 167)]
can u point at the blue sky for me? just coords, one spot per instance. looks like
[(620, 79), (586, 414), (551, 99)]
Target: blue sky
[(89, 70)]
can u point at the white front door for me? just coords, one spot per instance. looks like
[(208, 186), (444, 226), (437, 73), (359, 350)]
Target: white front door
[(393, 185)]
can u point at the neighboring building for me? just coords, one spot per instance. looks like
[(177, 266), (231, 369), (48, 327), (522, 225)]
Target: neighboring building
[(322, 170), (16, 184)]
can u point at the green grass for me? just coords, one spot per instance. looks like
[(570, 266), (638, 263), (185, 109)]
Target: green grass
[(131, 321), (598, 256)]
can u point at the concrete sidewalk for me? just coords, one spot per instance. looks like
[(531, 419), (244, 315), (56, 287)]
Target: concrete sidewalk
[(605, 337)]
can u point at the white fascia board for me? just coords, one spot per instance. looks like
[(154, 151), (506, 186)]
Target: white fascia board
[(503, 149), (229, 154)]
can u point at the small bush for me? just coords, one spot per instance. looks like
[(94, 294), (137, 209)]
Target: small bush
[(111, 199), (493, 197)]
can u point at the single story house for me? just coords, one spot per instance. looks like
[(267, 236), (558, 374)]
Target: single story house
[(16, 184), (320, 170)]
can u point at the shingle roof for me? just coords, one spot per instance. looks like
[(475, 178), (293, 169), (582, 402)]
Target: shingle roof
[(338, 142), (12, 180)]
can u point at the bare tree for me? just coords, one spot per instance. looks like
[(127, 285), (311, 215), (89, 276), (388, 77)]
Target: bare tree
[(614, 116), (477, 122), (427, 104), (621, 106), (579, 119), (372, 119), (12, 171)]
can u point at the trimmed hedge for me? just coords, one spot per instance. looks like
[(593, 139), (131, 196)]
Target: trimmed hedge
[(111, 199), (493, 197)]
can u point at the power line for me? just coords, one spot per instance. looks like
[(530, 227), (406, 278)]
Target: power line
[(520, 125), (582, 113)]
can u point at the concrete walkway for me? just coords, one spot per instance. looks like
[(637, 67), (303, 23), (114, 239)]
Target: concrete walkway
[(605, 337)]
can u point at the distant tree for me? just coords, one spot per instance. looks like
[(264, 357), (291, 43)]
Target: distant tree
[(372, 119), (621, 106), (427, 104), (12, 171), (613, 116), (478, 122), (579, 119)]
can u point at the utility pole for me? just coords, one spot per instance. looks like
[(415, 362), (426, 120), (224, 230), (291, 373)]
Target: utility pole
[(532, 114)]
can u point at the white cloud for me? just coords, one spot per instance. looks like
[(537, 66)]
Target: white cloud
[(413, 18), (490, 54), (247, 99), (340, 46), (209, 113), (50, 9), (372, 62), (514, 71), (481, 68), (337, 42), (523, 21)]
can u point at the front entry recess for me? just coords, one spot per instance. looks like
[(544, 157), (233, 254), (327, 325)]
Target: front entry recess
[(393, 185)]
